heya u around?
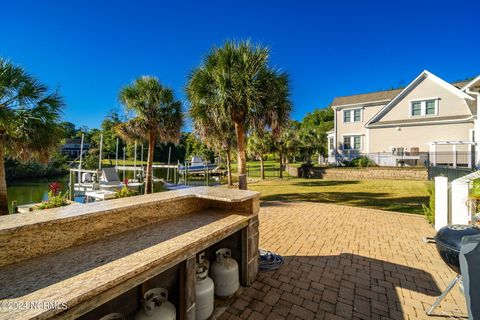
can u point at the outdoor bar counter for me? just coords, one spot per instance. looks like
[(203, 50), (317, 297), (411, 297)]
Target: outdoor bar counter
[(84, 261)]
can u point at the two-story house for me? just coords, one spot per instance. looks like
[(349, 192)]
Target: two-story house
[(72, 147), (430, 120)]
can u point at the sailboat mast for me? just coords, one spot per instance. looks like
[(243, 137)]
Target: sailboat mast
[(123, 163), (100, 154), (135, 161), (81, 158), (116, 156)]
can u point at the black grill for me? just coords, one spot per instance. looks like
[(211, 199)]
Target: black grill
[(449, 241)]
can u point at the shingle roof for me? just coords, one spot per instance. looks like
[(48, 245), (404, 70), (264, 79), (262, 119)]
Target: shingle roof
[(460, 84), (385, 95)]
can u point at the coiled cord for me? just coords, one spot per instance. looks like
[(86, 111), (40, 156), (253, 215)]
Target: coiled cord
[(269, 260)]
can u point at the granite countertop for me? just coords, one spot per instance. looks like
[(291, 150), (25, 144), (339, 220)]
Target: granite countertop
[(11, 222), (77, 274)]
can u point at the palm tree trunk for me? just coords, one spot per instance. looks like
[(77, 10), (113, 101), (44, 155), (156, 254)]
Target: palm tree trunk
[(242, 157), (149, 178), (229, 168), (3, 186), (281, 165), (262, 167)]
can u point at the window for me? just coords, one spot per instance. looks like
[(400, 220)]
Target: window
[(346, 143), (424, 108), (357, 114), (416, 108), (352, 115), (331, 143), (430, 107), (352, 142), (356, 143), (347, 116)]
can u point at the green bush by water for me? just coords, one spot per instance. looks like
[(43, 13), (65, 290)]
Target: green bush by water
[(15, 169)]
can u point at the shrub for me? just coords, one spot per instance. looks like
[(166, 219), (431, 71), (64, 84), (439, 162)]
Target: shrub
[(305, 169), (475, 191), (125, 192), (430, 209), (55, 198), (361, 162)]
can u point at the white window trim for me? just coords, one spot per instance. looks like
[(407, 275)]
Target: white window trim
[(352, 115), (352, 141), (423, 107), (331, 144)]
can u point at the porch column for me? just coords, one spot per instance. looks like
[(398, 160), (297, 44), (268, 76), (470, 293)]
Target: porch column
[(454, 155)]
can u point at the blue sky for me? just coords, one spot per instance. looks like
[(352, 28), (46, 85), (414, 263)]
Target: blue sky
[(91, 48)]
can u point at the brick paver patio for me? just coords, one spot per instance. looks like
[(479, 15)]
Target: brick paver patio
[(346, 263)]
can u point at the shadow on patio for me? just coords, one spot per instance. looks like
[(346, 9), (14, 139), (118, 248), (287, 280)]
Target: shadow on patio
[(344, 286)]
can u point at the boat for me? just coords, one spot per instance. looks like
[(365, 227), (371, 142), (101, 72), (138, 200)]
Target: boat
[(171, 186), (197, 165), (110, 181)]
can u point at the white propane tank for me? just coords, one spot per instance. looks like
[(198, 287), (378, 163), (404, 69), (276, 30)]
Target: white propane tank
[(202, 260), (224, 273), (156, 306), (203, 294), (113, 316)]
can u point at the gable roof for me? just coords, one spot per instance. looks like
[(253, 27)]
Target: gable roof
[(422, 76), (378, 96)]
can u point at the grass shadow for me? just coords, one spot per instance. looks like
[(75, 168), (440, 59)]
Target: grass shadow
[(325, 183), (373, 200)]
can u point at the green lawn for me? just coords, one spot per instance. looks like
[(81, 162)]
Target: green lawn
[(392, 195), (253, 169)]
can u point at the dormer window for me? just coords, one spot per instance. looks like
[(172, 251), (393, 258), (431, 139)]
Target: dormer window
[(352, 115), (424, 108)]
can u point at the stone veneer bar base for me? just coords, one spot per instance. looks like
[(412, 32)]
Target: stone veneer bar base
[(105, 250)]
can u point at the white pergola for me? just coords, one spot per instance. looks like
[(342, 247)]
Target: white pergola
[(434, 154)]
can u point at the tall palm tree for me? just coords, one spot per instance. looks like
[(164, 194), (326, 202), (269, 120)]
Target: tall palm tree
[(158, 117), (258, 146), (236, 83), (29, 120)]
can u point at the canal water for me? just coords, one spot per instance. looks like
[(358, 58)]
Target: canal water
[(35, 191)]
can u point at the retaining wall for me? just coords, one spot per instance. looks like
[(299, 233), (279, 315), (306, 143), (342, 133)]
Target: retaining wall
[(374, 173)]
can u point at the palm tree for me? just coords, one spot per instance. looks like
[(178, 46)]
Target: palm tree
[(258, 146), (236, 83), (218, 135), (29, 120), (286, 143), (158, 117)]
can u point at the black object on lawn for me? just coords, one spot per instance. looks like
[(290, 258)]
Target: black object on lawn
[(448, 241), (469, 262)]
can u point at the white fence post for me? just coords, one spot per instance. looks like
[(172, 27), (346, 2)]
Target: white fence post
[(441, 202), (460, 212)]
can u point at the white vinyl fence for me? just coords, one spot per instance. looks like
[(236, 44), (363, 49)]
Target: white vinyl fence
[(451, 200)]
